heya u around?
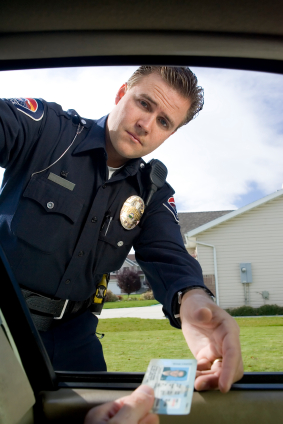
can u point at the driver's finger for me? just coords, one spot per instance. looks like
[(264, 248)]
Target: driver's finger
[(135, 407)]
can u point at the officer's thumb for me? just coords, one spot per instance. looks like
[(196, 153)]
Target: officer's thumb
[(203, 315), (197, 307)]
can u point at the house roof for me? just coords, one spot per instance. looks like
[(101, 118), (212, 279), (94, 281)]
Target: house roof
[(191, 220), (130, 262), (233, 214)]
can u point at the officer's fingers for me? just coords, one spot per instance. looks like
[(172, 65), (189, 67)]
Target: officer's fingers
[(135, 407), (207, 382), (203, 364)]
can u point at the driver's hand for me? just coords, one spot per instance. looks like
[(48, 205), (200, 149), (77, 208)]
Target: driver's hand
[(133, 409)]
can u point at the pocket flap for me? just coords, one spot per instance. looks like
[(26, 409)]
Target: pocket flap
[(54, 199)]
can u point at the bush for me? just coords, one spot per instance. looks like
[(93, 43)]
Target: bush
[(111, 297), (243, 311), (147, 296)]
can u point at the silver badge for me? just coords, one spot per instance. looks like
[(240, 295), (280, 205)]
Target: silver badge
[(131, 212)]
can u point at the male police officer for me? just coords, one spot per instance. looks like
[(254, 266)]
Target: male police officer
[(62, 230)]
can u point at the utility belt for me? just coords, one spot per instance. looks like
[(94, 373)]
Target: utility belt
[(46, 311)]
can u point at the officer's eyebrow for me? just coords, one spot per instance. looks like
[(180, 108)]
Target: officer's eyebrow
[(147, 97)]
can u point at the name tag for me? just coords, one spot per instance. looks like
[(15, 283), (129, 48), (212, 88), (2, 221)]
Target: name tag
[(61, 181)]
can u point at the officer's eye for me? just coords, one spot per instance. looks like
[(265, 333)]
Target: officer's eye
[(144, 104), (163, 122)]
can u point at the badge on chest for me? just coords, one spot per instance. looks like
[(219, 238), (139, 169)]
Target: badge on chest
[(131, 212)]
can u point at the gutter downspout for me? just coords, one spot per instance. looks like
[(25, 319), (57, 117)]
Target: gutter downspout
[(215, 270)]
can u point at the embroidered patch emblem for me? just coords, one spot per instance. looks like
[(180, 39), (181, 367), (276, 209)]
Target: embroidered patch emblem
[(171, 206), (31, 107)]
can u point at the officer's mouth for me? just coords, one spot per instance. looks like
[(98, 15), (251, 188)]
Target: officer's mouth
[(134, 138)]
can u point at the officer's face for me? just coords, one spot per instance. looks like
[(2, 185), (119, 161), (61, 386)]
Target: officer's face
[(144, 117)]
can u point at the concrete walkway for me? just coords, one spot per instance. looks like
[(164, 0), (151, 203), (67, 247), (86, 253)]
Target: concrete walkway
[(145, 312)]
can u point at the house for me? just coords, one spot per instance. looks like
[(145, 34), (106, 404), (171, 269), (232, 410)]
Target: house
[(188, 221), (191, 220), (130, 262), (242, 252)]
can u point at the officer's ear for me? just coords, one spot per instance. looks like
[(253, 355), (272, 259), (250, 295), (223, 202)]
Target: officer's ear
[(121, 93)]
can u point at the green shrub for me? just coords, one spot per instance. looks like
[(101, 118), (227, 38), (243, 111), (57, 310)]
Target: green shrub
[(270, 310), (110, 296), (262, 310), (147, 296)]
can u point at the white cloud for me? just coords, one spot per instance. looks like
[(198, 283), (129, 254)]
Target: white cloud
[(234, 144), (229, 145)]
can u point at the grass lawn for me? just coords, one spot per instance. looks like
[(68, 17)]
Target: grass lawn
[(129, 304), (130, 343)]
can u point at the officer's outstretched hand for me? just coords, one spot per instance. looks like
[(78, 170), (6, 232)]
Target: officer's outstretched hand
[(212, 334), (133, 409)]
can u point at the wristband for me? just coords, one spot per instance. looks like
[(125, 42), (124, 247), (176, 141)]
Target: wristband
[(181, 293)]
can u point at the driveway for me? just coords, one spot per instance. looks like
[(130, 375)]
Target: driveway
[(145, 312)]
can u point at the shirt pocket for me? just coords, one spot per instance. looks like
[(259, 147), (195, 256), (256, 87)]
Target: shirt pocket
[(113, 248), (46, 214)]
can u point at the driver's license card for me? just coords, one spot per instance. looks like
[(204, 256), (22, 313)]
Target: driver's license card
[(173, 384)]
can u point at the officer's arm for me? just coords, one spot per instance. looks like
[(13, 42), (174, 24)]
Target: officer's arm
[(161, 253), (20, 123), (210, 332)]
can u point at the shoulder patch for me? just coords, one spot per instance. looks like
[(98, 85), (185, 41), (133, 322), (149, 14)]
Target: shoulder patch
[(31, 107), (170, 205)]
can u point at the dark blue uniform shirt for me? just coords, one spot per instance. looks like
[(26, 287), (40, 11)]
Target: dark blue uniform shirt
[(52, 235)]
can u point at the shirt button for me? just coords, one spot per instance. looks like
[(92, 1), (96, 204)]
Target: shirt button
[(94, 219), (104, 186), (50, 205), (81, 253), (142, 165), (83, 121), (120, 243), (67, 281)]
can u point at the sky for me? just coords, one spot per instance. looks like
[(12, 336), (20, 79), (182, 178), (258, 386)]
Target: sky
[(228, 157)]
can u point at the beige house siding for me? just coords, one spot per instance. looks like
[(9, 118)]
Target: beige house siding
[(255, 236), (205, 258)]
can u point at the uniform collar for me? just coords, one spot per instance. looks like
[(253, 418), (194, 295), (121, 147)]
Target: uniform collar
[(95, 138)]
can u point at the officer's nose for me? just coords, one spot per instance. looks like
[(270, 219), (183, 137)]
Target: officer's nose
[(145, 123)]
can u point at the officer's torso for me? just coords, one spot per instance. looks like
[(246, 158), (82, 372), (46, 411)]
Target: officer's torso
[(55, 235)]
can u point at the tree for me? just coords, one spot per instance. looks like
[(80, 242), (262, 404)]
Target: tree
[(128, 281)]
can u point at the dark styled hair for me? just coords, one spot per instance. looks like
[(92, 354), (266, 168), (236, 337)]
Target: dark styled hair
[(181, 78)]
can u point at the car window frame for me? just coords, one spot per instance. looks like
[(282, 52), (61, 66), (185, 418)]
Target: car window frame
[(31, 349)]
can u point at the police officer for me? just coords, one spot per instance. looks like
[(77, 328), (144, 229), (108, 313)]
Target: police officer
[(69, 217)]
